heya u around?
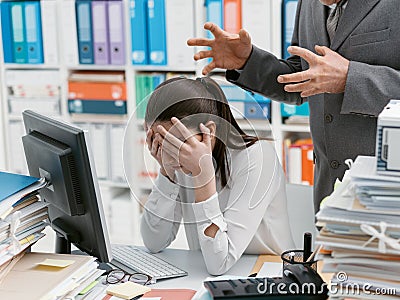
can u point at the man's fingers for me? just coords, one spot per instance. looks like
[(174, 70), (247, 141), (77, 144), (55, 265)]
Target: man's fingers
[(321, 50), (214, 29), (207, 69), (199, 42), (298, 87), (306, 54), (295, 77), (244, 36), (203, 54), (310, 92)]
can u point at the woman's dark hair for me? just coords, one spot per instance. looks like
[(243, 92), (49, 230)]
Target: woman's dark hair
[(199, 101)]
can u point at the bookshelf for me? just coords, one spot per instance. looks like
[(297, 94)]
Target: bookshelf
[(115, 192)]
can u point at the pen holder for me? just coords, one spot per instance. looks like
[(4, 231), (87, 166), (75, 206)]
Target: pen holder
[(296, 257)]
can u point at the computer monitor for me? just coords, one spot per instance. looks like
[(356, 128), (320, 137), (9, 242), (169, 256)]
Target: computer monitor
[(59, 152)]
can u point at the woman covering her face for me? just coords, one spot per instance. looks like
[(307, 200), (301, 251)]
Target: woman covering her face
[(227, 187)]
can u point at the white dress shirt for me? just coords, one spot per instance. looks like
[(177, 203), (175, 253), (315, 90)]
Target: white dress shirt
[(250, 211)]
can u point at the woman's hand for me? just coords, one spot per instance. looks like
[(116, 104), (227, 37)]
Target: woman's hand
[(192, 154), (168, 165)]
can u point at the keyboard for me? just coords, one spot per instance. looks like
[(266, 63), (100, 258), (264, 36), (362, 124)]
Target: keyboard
[(138, 260)]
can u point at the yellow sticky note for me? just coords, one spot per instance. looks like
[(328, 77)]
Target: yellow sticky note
[(127, 290), (58, 263)]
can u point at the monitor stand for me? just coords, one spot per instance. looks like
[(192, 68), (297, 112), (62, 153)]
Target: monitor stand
[(65, 236)]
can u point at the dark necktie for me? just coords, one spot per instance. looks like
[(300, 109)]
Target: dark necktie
[(333, 19)]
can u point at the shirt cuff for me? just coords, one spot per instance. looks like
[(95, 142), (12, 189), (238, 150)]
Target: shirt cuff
[(208, 212), (165, 187)]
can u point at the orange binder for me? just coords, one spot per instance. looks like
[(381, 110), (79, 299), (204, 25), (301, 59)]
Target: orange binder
[(307, 164), (80, 90), (233, 15)]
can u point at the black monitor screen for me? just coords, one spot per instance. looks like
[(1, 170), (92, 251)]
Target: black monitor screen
[(59, 152)]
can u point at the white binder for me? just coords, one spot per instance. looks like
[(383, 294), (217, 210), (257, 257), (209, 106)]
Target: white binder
[(49, 31), (179, 16)]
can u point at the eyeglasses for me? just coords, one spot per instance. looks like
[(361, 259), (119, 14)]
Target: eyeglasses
[(116, 276)]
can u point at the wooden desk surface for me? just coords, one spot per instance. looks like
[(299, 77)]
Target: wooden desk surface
[(275, 258)]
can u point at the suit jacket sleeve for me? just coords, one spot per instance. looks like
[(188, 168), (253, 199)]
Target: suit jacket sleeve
[(263, 68), (369, 88)]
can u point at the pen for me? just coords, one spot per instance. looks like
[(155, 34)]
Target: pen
[(307, 242), (314, 253)]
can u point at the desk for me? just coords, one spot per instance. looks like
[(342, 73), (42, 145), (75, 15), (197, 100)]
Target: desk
[(193, 263)]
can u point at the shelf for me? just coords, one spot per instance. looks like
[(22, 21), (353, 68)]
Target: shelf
[(97, 67), (14, 118), (152, 68), (109, 183), (91, 118), (31, 66), (254, 124), (295, 128)]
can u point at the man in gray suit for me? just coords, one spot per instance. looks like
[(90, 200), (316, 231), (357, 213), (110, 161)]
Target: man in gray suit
[(347, 76)]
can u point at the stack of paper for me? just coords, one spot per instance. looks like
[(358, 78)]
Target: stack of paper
[(22, 215), (361, 233), (50, 276)]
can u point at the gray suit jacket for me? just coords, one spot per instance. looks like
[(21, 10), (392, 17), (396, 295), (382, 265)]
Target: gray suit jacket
[(342, 125)]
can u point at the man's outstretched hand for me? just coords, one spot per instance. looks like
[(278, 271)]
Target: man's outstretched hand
[(327, 72), (228, 50)]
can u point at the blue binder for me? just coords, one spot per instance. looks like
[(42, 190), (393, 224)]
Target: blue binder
[(84, 30), (138, 16), (288, 110), (157, 32), (33, 29), (106, 107), (214, 13), (18, 33), (6, 32), (288, 19)]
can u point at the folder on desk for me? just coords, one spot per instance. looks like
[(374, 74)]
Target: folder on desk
[(69, 32), (289, 16), (6, 32), (100, 32), (214, 13), (232, 15), (49, 31), (43, 282), (85, 34), (33, 27), (138, 18), (157, 32), (116, 32), (18, 32)]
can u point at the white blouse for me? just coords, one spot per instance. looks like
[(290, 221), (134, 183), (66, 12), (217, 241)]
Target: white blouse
[(250, 211)]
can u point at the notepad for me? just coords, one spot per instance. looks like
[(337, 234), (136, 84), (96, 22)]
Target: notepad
[(127, 290), (58, 263)]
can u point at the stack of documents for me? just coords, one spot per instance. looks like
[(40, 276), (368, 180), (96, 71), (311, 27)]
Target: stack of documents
[(22, 215), (50, 276), (361, 233)]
